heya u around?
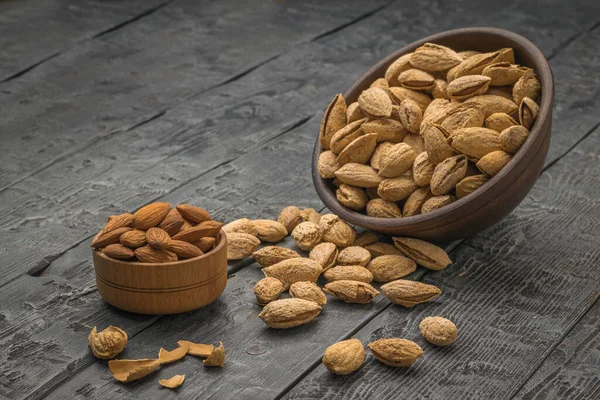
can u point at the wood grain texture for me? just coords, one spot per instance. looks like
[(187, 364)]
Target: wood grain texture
[(32, 32), (571, 370), (513, 291), (101, 87)]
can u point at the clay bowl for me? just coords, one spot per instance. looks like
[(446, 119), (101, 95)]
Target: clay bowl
[(166, 288), (498, 197)]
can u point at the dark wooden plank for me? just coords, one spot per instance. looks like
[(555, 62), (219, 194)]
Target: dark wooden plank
[(514, 291), (32, 32), (100, 87), (183, 137), (571, 370)]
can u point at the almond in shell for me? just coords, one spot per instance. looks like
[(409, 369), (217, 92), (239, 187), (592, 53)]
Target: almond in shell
[(345, 357), (475, 142), (387, 130), (270, 255), (289, 313), (396, 352), (434, 57), (381, 249), (325, 254), (397, 189), (294, 270), (469, 185), (435, 202), (380, 208), (412, 205), (346, 135), (438, 330), (500, 121), (336, 231), (396, 160), (423, 253), (409, 293), (423, 169), (512, 138), (527, 86), (493, 162), (358, 175), (351, 291), (375, 102), (308, 291), (267, 290), (270, 231), (350, 273), (290, 217), (468, 86), (447, 174), (240, 245), (307, 235), (333, 120), (242, 225), (390, 267), (354, 255), (351, 196)]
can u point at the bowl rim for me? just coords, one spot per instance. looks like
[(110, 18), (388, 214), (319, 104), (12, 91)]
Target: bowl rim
[(433, 219), (221, 243)]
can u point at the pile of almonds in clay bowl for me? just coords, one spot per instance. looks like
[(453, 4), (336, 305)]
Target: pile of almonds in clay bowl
[(157, 233), (434, 129)]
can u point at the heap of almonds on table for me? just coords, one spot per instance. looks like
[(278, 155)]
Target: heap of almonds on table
[(350, 263), (434, 129)]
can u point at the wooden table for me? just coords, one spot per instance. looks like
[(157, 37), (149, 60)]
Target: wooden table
[(107, 106)]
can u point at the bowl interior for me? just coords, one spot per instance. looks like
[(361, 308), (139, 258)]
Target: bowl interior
[(480, 39), (219, 243)]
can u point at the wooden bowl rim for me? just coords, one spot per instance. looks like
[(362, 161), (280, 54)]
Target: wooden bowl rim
[(222, 242), (544, 74)]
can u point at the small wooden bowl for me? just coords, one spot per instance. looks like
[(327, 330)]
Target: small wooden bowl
[(498, 197), (167, 288)]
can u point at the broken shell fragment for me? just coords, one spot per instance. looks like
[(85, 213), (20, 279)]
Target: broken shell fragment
[(166, 356), (107, 343), (173, 382), (216, 357), (197, 349), (131, 370)]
